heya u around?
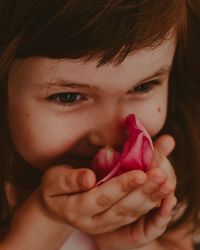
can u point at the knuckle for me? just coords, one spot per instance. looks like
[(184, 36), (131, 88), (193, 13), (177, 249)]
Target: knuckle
[(127, 181), (122, 211), (103, 201), (158, 171), (126, 186), (137, 214)]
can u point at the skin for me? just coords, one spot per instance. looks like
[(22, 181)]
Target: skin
[(46, 134)]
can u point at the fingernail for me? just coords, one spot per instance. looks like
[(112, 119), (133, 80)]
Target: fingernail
[(158, 204), (83, 181), (173, 204), (164, 190)]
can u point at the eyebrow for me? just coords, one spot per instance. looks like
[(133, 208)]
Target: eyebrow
[(164, 70)]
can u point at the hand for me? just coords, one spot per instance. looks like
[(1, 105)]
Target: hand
[(151, 226), (69, 196)]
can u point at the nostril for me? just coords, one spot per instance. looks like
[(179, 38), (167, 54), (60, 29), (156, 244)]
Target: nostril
[(114, 138), (96, 140), (119, 148)]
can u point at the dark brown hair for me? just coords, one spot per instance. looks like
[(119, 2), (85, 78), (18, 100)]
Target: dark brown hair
[(106, 30)]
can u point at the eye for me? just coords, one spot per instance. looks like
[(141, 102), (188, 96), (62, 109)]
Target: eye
[(146, 87), (66, 98)]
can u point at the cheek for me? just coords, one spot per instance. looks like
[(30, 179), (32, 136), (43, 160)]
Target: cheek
[(40, 143), (154, 120), (153, 112)]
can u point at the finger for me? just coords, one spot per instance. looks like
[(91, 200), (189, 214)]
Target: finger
[(102, 197), (159, 186), (134, 204), (142, 231), (165, 144), (150, 226), (124, 212), (162, 191), (160, 161), (168, 205), (156, 177), (157, 224), (66, 180)]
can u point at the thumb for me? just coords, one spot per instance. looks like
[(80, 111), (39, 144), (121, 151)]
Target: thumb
[(165, 144), (163, 147), (62, 180)]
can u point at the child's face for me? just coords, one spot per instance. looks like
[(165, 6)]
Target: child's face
[(62, 111)]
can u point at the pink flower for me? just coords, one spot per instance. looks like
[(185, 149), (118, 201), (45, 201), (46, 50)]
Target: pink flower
[(136, 154)]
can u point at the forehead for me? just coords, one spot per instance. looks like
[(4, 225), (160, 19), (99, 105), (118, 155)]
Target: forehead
[(136, 66)]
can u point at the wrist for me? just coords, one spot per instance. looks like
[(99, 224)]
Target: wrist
[(32, 228)]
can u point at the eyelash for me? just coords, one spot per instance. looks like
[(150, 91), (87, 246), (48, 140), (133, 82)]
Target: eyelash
[(145, 87), (59, 98)]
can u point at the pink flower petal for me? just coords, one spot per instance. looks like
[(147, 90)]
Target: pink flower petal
[(105, 160), (136, 154)]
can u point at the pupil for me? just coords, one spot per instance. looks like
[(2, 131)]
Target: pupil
[(68, 97), (143, 87)]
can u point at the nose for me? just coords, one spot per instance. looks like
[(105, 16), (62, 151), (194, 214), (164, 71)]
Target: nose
[(108, 130)]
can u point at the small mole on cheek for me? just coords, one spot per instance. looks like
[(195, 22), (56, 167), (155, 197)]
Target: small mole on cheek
[(27, 115), (159, 109)]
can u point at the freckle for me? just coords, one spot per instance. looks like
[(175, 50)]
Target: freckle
[(159, 109), (27, 115)]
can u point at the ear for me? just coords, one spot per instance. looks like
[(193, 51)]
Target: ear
[(165, 144)]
